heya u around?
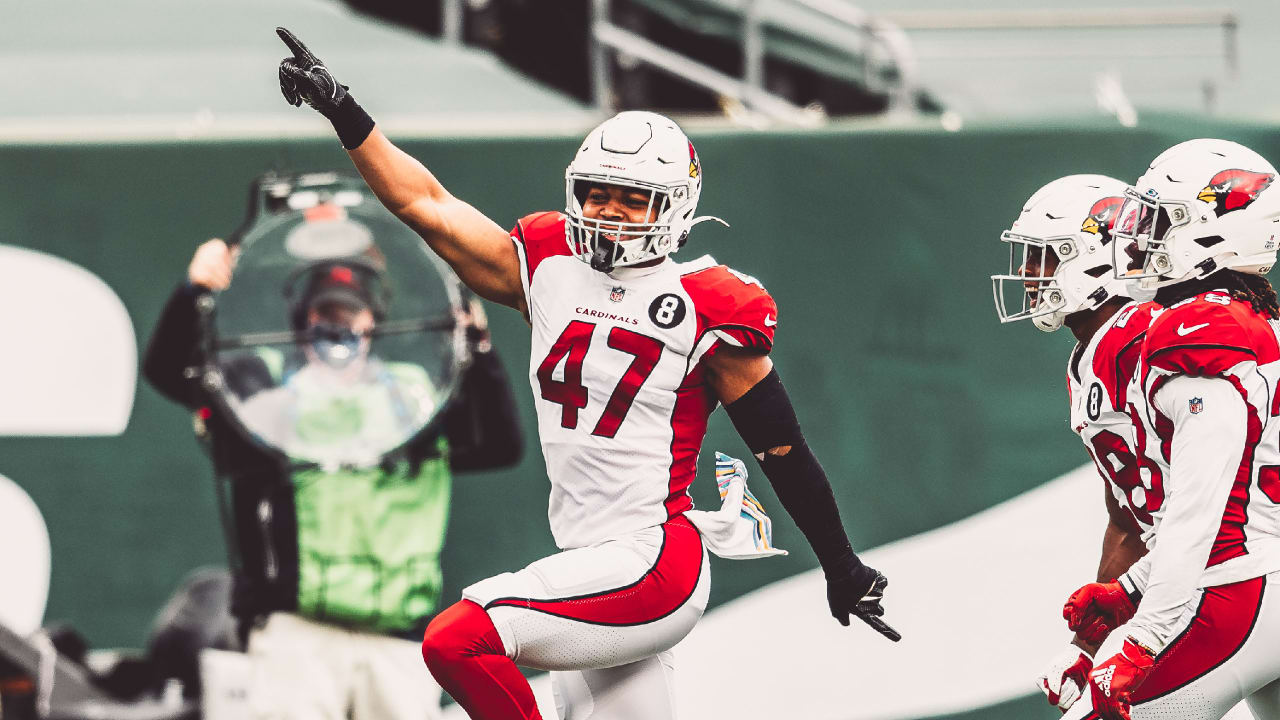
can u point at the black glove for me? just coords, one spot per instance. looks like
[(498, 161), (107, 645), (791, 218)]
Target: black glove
[(855, 589), (303, 78)]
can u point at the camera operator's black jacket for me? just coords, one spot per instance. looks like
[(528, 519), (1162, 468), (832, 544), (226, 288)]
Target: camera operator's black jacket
[(481, 428)]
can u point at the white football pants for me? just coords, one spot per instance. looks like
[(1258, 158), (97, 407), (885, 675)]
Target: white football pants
[(604, 618), (1227, 651)]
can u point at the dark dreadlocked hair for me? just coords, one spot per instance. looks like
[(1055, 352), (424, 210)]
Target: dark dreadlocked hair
[(1245, 287)]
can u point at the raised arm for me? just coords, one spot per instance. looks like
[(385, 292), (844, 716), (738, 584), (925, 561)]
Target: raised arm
[(477, 248)]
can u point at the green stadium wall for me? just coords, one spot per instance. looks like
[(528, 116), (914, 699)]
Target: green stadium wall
[(876, 243)]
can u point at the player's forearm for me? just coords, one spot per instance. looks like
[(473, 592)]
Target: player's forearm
[(1121, 548), (402, 184), (477, 249), (765, 419), (1205, 454), (804, 491)]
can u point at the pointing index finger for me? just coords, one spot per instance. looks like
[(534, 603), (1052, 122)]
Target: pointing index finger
[(295, 45), (881, 627)]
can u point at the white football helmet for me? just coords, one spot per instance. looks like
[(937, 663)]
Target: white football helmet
[(1202, 206), (1060, 259), (640, 150)]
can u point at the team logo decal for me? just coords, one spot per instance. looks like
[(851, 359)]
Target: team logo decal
[(1195, 405), (617, 293), (695, 167), (1234, 189), (667, 310), (1093, 403), (1102, 217)]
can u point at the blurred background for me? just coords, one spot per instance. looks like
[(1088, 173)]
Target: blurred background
[(867, 154)]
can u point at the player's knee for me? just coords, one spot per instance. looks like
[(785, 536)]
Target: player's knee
[(463, 630)]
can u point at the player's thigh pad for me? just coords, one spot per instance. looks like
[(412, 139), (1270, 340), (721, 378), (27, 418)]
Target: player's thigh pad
[(1224, 653), (641, 690), (601, 606)]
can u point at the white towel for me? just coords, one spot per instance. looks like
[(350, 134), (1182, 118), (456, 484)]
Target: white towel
[(740, 529)]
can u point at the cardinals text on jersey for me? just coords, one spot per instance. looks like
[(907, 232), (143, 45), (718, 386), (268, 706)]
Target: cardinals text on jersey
[(1102, 413), (617, 377)]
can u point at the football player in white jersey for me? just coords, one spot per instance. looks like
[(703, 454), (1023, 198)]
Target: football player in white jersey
[(1061, 272), (1203, 607), (631, 352)]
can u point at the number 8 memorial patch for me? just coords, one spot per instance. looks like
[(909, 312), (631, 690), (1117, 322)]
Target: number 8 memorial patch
[(667, 310), (1093, 404)]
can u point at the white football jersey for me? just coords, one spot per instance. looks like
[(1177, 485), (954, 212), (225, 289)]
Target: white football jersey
[(1102, 413), (617, 377), (1213, 335)]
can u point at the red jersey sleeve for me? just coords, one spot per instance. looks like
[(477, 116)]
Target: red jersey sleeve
[(734, 306), (1116, 357), (1208, 335), (538, 237)]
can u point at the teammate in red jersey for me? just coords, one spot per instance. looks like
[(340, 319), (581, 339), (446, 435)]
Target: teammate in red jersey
[(1060, 269), (631, 352), (1203, 607)]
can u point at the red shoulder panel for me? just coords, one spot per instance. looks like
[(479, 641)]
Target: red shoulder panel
[(1116, 356), (542, 236), (1207, 335), (734, 304)]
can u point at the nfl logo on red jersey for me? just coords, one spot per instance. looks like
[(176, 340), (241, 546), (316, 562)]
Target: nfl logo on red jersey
[(617, 293), (1196, 405)]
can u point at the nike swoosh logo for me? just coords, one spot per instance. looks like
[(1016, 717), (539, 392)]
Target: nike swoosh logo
[(769, 321), (1184, 330)]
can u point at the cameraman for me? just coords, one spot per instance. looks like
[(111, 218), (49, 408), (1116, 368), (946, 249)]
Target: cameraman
[(336, 569)]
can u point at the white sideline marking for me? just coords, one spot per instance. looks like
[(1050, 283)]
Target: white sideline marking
[(74, 367), (24, 567)]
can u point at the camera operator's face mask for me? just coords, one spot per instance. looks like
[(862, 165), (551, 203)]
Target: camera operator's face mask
[(339, 335), (335, 345), (329, 347)]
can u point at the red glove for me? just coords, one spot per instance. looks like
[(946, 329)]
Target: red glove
[(1096, 609), (1111, 684)]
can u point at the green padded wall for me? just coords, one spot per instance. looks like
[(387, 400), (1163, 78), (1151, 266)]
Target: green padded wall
[(876, 243)]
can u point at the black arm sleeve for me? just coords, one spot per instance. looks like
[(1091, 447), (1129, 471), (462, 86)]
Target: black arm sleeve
[(765, 419), (483, 426), (174, 346)]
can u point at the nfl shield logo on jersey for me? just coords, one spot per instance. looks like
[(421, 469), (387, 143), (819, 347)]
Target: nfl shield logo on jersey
[(1196, 405), (617, 293)]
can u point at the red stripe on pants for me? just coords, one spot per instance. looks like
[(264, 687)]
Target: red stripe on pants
[(658, 593), (1221, 625), (1223, 621)]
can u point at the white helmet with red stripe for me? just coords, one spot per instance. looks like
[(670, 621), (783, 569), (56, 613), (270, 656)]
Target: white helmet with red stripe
[(640, 150), (1060, 259), (1202, 206)]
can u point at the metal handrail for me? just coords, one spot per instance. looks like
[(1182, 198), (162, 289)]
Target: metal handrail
[(1057, 19), (451, 19), (1053, 18), (843, 27), (673, 63)]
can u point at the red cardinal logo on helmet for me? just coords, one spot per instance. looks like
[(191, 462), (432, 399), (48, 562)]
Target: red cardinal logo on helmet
[(695, 168), (1102, 217), (1234, 189)]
